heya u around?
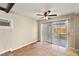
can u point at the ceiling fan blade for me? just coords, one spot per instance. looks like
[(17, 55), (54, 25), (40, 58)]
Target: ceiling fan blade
[(53, 15), (39, 15)]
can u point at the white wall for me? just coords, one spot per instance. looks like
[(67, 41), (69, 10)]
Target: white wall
[(23, 32)]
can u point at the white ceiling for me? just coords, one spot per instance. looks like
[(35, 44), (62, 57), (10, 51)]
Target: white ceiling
[(31, 9)]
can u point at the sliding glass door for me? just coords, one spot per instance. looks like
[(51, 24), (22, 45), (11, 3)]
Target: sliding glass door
[(59, 33), (55, 33)]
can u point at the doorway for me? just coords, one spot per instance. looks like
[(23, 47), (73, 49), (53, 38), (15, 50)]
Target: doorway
[(55, 33)]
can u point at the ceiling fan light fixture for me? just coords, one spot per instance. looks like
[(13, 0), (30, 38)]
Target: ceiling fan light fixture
[(46, 17)]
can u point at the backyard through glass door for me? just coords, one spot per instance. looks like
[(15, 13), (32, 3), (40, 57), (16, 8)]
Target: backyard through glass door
[(55, 33)]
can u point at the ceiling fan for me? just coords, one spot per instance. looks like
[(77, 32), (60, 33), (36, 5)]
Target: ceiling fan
[(46, 15)]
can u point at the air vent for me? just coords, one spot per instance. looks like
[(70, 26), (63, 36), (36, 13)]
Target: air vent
[(4, 22)]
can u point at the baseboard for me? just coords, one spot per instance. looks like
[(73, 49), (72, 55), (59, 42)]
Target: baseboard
[(4, 51), (22, 46), (17, 47), (74, 49)]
